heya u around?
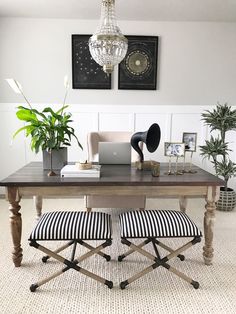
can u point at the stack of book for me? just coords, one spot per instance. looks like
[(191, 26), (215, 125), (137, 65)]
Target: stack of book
[(72, 171)]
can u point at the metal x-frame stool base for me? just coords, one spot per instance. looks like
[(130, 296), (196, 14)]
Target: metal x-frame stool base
[(72, 263), (158, 261)]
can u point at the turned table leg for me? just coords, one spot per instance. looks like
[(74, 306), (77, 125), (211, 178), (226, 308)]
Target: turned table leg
[(15, 224), (209, 219), (38, 203), (183, 203)]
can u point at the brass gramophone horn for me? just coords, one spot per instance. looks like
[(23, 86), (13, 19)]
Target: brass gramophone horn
[(151, 138)]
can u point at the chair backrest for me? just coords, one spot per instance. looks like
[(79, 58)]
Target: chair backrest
[(94, 138)]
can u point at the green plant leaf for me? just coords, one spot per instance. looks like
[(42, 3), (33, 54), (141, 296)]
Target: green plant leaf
[(38, 113), (223, 119), (26, 115), (19, 130), (48, 129), (62, 109), (226, 169)]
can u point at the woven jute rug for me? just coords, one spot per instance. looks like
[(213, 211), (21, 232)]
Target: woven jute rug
[(158, 292)]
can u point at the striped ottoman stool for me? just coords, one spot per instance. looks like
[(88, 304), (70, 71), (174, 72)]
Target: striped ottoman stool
[(73, 227), (153, 225)]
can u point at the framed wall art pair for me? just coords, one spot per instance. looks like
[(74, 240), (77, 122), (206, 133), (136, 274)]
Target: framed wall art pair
[(138, 70)]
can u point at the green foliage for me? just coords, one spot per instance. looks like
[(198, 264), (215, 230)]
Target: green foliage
[(48, 129), (226, 168), (221, 119)]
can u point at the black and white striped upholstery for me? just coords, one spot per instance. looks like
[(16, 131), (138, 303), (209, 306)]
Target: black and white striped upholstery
[(157, 224), (71, 225)]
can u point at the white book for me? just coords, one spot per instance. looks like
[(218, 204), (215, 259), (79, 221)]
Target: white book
[(74, 171), (74, 175)]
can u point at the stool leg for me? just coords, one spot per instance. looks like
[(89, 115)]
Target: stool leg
[(155, 249), (194, 283), (145, 271), (173, 270), (61, 248), (96, 277), (90, 247), (70, 264), (94, 251), (167, 248), (130, 251), (73, 251), (34, 286), (160, 262)]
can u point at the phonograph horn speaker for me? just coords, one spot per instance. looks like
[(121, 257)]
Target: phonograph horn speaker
[(151, 138)]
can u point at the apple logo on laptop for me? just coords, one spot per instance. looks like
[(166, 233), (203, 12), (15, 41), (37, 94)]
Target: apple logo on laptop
[(114, 153)]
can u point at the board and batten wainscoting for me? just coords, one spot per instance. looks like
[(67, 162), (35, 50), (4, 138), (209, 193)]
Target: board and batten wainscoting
[(173, 121)]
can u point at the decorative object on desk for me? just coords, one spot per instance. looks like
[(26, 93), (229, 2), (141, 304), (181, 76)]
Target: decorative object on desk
[(108, 46), (72, 171), (86, 73), (151, 138), (216, 149), (54, 158), (138, 70), (50, 130), (190, 141), (191, 164), (155, 168), (84, 165), (174, 150)]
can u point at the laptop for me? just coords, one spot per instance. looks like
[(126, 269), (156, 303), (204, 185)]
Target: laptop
[(114, 153)]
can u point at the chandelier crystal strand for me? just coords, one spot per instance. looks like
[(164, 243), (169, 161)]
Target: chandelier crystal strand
[(108, 46)]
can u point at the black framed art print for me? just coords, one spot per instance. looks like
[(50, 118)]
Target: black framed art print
[(138, 70), (86, 73)]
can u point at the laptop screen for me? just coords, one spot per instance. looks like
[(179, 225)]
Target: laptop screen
[(114, 153)]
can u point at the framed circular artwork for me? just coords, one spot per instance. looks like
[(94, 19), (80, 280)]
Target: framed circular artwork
[(138, 70)]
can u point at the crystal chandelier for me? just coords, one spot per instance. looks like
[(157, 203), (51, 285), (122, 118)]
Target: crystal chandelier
[(108, 46)]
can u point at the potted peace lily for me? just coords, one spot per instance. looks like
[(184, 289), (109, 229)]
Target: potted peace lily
[(221, 119), (50, 130)]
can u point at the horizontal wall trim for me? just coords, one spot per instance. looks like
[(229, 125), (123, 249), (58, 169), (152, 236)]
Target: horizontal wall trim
[(9, 107)]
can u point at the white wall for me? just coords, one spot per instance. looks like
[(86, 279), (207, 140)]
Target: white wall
[(197, 62), (197, 68)]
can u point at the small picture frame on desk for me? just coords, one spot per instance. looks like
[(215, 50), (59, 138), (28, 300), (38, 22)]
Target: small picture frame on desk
[(190, 141), (174, 149)]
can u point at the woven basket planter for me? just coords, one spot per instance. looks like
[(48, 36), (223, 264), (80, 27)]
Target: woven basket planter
[(227, 200)]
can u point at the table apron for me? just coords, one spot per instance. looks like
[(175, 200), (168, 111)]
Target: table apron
[(149, 191)]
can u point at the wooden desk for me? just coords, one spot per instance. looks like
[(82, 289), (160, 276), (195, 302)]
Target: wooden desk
[(31, 180)]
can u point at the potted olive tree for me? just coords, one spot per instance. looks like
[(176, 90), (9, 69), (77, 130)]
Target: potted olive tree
[(221, 119), (50, 130)]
